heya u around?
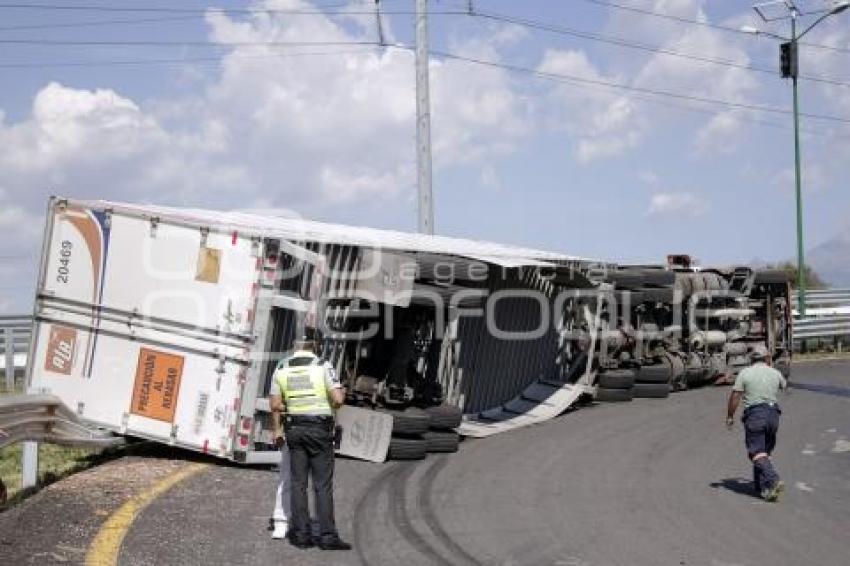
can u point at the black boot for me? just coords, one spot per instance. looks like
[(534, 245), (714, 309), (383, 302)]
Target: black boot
[(333, 543), (302, 541)]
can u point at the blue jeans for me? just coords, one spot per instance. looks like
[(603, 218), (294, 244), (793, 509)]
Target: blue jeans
[(761, 423)]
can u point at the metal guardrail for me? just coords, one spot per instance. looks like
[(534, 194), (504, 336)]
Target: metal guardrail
[(827, 315), (15, 335), (45, 418), (825, 297)]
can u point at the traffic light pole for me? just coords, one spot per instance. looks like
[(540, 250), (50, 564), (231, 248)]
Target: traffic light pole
[(789, 67), (801, 264)]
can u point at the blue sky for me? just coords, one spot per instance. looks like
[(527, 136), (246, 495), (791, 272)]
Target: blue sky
[(328, 130)]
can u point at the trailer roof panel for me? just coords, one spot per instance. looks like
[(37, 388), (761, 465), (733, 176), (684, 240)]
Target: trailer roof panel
[(293, 228)]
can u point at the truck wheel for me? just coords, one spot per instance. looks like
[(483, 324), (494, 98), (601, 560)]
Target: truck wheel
[(651, 390), (659, 373), (604, 395), (635, 278), (616, 379), (407, 449), (409, 422), (664, 295), (441, 441), (770, 276), (444, 417)]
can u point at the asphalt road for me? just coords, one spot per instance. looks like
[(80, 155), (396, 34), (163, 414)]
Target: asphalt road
[(651, 482)]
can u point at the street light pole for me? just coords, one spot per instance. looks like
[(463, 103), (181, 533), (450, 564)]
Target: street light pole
[(790, 68), (801, 263), (423, 122)]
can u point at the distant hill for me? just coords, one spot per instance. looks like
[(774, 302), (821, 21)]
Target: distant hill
[(831, 260)]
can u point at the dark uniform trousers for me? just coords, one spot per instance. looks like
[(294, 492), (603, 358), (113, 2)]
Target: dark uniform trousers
[(761, 423), (311, 451)]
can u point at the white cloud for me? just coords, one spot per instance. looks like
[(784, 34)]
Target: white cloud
[(604, 123), (302, 127), (310, 128), (815, 179), (705, 80), (489, 178), (682, 203), (648, 177), (721, 134)]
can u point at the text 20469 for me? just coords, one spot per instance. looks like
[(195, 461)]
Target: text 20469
[(64, 261)]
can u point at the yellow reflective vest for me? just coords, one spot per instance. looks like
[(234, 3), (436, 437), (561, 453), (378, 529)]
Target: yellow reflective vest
[(302, 385)]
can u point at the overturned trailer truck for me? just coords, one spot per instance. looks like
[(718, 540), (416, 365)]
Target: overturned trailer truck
[(678, 326), (167, 324)]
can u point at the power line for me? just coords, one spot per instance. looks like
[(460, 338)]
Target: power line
[(651, 95), (328, 10), (177, 61), (159, 43), (97, 23), (447, 55), (542, 26), (152, 9), (642, 90), (680, 19)]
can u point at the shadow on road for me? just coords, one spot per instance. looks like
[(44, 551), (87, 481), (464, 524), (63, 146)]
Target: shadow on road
[(819, 388), (740, 486)]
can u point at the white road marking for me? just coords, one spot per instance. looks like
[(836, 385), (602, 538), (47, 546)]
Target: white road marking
[(809, 450), (802, 486), (841, 445)]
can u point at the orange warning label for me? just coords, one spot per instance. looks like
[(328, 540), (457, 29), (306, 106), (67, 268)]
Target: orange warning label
[(157, 385), (61, 345)]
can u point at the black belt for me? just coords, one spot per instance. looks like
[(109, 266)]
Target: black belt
[(309, 419)]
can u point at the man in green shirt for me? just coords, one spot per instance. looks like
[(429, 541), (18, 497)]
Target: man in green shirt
[(758, 386)]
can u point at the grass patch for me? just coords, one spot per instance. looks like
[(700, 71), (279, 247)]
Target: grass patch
[(54, 462)]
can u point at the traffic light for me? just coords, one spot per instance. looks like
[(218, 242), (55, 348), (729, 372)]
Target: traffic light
[(788, 59)]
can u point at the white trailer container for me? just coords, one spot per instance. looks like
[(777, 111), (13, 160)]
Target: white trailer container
[(156, 326), (166, 323)]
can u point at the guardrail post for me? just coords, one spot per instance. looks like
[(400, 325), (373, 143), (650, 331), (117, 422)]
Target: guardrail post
[(9, 340), (29, 465)]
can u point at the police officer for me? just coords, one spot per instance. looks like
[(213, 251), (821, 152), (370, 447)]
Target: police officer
[(307, 390), (758, 386)]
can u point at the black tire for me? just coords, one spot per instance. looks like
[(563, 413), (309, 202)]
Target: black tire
[(410, 421), (437, 442), (444, 417), (616, 379), (657, 295), (635, 278), (770, 277), (605, 395), (659, 373), (407, 449), (651, 390)]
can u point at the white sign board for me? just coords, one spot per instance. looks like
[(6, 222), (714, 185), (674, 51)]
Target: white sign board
[(365, 433)]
